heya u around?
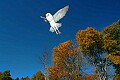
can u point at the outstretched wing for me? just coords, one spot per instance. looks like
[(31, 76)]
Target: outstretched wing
[(61, 13)]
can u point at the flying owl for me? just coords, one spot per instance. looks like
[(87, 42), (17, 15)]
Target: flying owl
[(52, 19)]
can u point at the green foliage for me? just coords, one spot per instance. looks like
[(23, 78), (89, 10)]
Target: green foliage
[(17, 78), (5, 75), (38, 76), (112, 38), (1, 76), (112, 44)]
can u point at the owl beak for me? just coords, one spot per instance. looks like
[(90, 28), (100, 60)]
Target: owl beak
[(44, 18)]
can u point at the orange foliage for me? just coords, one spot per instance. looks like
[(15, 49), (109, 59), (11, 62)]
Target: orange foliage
[(113, 58), (27, 79), (88, 39), (61, 54), (56, 72), (92, 77), (63, 51)]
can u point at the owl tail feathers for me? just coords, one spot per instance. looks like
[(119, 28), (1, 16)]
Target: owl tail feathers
[(58, 25), (56, 30)]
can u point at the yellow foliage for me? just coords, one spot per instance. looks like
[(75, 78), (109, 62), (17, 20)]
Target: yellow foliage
[(116, 77), (111, 42), (60, 56), (64, 50), (114, 59), (56, 72), (88, 39)]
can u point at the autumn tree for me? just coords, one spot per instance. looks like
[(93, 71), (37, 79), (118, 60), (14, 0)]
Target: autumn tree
[(112, 44), (5, 75), (99, 48), (38, 76), (64, 62), (90, 43), (26, 78)]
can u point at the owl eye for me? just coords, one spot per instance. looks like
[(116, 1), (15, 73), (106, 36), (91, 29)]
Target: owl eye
[(48, 14)]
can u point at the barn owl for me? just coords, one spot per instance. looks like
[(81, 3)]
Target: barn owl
[(52, 19)]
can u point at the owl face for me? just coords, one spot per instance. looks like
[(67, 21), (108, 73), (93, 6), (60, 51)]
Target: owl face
[(49, 17), (48, 14)]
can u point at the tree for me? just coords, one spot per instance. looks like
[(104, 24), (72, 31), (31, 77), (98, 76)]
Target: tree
[(17, 78), (44, 59), (112, 44), (1, 76), (90, 43), (38, 76), (5, 75), (22, 78), (64, 62), (27, 78)]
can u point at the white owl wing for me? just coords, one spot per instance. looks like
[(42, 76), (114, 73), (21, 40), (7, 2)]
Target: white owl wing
[(60, 13)]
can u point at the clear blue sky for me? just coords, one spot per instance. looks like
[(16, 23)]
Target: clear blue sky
[(24, 35)]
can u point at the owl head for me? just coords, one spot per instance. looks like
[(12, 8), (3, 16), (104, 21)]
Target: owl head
[(48, 14)]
